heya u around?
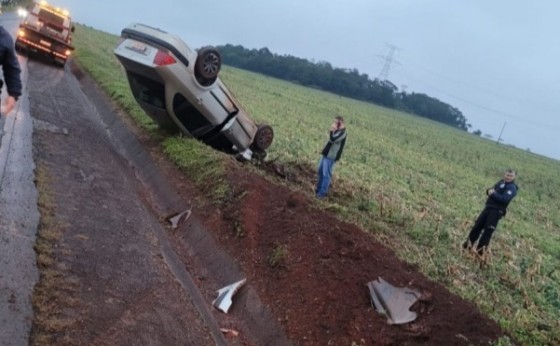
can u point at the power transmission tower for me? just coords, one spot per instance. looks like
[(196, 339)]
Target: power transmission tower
[(389, 59), (501, 132)]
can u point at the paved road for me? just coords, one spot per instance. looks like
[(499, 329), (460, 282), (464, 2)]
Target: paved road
[(18, 215)]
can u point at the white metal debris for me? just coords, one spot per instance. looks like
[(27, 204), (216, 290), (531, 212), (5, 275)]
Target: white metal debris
[(394, 302), (225, 295)]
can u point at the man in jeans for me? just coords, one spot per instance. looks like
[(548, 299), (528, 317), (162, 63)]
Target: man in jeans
[(330, 154), (498, 199)]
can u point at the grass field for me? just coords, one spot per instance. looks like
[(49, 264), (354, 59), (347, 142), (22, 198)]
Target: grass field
[(416, 184)]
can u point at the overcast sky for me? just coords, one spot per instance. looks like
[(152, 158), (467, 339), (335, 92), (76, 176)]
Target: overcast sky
[(496, 61)]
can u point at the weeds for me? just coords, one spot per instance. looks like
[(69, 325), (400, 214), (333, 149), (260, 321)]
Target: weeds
[(278, 256), (48, 297)]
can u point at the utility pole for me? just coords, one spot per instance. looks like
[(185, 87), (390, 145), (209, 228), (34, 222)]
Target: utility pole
[(500, 136), (384, 74)]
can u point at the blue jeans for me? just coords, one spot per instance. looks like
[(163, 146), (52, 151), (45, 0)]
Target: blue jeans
[(325, 174)]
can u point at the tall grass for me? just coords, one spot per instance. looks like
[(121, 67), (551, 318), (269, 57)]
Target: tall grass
[(416, 184)]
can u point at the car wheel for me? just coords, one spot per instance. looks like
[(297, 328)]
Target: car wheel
[(60, 62), (263, 138), (207, 66)]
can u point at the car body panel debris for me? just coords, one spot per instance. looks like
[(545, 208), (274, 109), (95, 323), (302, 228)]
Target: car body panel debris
[(225, 295), (179, 88), (394, 302), (179, 217), (231, 332)]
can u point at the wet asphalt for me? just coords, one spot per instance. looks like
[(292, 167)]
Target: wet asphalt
[(19, 216)]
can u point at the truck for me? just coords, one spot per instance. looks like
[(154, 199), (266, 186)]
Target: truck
[(46, 30)]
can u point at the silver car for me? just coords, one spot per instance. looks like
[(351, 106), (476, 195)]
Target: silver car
[(179, 88)]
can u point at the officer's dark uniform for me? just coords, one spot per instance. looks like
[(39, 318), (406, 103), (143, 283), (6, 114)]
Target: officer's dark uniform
[(10, 64), (495, 209)]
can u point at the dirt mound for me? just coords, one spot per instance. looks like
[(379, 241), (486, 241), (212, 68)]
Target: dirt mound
[(312, 269)]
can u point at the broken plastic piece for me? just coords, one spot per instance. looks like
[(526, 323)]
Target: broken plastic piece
[(229, 331), (247, 154), (179, 217), (394, 302), (225, 295)]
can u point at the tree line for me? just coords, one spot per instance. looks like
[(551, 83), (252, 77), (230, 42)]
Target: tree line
[(345, 82)]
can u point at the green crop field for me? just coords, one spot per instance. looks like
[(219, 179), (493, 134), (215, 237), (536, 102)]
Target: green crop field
[(416, 184)]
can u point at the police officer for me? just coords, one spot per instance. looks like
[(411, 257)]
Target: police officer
[(497, 202), (11, 69)]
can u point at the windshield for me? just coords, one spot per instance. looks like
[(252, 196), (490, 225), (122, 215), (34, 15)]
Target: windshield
[(51, 18)]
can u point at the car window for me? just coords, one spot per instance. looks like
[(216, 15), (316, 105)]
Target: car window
[(147, 90), (190, 117), (54, 21)]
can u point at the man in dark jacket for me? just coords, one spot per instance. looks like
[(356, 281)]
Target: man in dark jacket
[(497, 202), (330, 154), (11, 69)]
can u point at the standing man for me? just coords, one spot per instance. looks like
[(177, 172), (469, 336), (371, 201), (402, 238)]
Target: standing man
[(11, 69), (498, 199), (330, 154)]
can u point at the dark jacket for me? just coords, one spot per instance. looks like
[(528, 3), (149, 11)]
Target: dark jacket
[(10, 64), (504, 193), (335, 145)]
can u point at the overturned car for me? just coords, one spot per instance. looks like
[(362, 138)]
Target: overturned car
[(179, 88)]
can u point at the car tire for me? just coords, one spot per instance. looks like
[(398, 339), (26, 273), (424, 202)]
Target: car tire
[(59, 62), (18, 45), (263, 138), (207, 65)]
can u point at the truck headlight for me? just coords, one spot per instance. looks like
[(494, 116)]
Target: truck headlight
[(22, 12)]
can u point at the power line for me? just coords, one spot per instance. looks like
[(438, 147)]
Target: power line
[(389, 61), (480, 89), (490, 109)]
